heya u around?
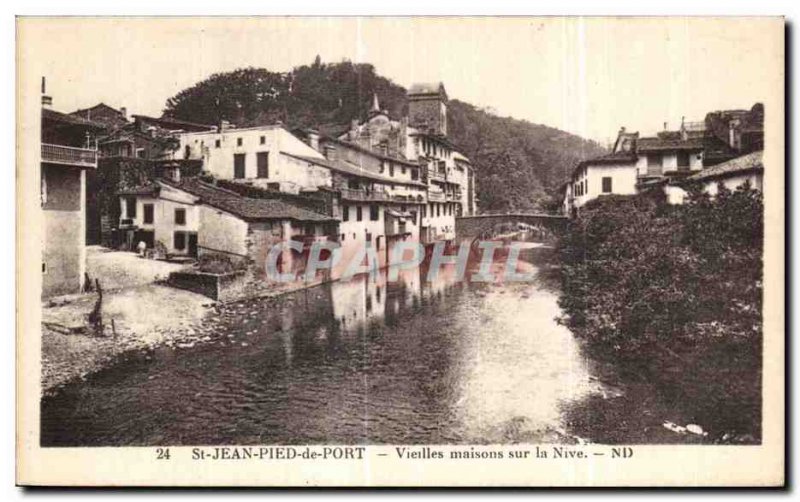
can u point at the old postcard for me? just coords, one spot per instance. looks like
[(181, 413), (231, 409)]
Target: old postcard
[(399, 251)]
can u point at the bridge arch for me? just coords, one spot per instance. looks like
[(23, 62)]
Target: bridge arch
[(485, 226)]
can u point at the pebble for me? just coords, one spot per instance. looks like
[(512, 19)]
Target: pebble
[(696, 429)]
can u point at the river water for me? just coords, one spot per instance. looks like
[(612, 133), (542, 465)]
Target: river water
[(359, 361)]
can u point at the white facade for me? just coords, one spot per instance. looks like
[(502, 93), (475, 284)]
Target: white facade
[(668, 162), (171, 213), (591, 181), (255, 155)]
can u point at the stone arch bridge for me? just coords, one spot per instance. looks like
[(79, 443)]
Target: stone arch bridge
[(486, 226)]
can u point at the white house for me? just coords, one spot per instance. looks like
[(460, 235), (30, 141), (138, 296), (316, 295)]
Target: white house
[(160, 213), (615, 173), (255, 155), (732, 174)]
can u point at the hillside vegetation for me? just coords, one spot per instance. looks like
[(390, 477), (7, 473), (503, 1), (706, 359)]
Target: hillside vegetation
[(518, 164)]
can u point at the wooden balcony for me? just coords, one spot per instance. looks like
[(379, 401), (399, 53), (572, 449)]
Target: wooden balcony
[(358, 194), (68, 155), (436, 196)]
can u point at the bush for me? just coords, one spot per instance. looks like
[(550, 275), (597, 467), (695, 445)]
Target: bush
[(673, 294)]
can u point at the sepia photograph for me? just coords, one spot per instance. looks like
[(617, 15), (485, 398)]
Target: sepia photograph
[(264, 236)]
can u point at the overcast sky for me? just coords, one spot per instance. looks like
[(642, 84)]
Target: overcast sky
[(586, 76)]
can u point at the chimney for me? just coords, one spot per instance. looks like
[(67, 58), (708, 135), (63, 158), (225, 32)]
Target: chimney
[(665, 126), (313, 139), (224, 125), (172, 172), (622, 130), (684, 134), (330, 152), (353, 134), (124, 112), (47, 101)]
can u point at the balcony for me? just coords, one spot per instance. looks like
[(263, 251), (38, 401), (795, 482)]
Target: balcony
[(436, 196), (68, 155), (358, 194), (436, 175)]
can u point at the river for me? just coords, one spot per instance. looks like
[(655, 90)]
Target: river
[(364, 361)]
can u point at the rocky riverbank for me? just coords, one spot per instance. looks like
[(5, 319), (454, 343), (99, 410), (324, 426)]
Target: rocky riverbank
[(143, 318)]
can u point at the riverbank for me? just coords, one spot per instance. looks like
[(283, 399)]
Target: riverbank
[(144, 318)]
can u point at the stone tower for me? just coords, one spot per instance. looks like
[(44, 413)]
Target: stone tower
[(427, 108)]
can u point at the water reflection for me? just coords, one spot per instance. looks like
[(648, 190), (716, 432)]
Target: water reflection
[(363, 361)]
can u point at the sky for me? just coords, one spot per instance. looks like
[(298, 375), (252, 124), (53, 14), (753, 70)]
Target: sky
[(588, 76)]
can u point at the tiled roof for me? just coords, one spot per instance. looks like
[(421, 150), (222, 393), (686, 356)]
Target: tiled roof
[(745, 163), (668, 143), (611, 158), (368, 151), (245, 207), (168, 121), (54, 116), (353, 170)]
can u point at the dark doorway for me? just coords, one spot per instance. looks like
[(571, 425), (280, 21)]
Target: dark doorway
[(192, 243), (262, 159), (238, 165)]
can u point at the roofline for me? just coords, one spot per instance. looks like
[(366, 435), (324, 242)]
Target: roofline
[(367, 174), (214, 130), (600, 161), (174, 121), (366, 150), (724, 174), (201, 200)]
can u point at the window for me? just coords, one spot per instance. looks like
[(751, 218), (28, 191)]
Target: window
[(187, 152), (217, 143), (373, 212), (238, 165), (345, 213), (180, 216), (683, 161), (262, 161), (403, 170), (383, 166), (238, 141), (140, 153), (148, 213), (262, 140), (359, 214), (179, 240), (130, 207), (654, 163), (414, 173), (391, 169), (606, 184)]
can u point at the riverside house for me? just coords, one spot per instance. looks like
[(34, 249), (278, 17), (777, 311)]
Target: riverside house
[(67, 152), (671, 159), (192, 217)]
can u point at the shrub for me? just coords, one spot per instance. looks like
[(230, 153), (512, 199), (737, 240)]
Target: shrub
[(673, 294)]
